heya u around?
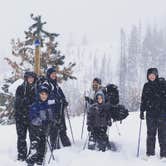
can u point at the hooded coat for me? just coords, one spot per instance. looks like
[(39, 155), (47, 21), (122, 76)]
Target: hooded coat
[(153, 100)]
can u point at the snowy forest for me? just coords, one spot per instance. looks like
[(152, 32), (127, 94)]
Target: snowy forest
[(138, 50)]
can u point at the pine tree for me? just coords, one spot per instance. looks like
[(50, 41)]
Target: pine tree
[(24, 51), (123, 67)]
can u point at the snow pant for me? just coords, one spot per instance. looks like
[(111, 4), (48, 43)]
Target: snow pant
[(22, 127), (57, 133), (38, 145), (155, 125), (99, 135)]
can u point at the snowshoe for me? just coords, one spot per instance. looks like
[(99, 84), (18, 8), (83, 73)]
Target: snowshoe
[(112, 146), (146, 157), (163, 159), (91, 143), (30, 164)]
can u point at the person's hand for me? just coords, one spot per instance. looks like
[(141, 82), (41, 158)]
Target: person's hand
[(142, 117), (89, 128), (86, 98), (109, 122), (65, 103)]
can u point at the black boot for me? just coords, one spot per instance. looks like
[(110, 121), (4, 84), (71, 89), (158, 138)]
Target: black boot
[(91, 143)]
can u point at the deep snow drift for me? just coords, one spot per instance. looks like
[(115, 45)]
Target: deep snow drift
[(76, 156)]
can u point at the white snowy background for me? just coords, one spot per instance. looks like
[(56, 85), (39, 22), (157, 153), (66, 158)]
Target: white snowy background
[(90, 30)]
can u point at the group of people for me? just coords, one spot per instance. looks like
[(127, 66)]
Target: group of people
[(39, 109), (104, 108)]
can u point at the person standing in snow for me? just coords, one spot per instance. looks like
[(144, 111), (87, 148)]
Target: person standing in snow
[(24, 97), (97, 122), (57, 102), (96, 86), (40, 117), (153, 102)]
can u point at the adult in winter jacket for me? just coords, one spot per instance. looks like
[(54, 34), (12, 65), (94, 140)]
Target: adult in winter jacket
[(40, 117), (96, 86), (153, 103), (97, 121), (24, 97), (57, 102)]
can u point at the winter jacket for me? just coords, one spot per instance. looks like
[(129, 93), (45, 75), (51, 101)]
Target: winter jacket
[(153, 99), (98, 115), (25, 96), (56, 96), (40, 113)]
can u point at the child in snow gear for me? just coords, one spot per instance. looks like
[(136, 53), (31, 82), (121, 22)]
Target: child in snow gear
[(40, 117), (97, 121), (153, 102), (57, 102), (25, 96)]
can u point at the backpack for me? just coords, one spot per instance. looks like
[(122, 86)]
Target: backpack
[(119, 113), (112, 94)]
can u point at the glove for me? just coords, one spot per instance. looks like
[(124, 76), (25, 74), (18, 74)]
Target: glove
[(109, 123), (65, 103), (89, 100), (142, 116), (89, 128), (86, 98)]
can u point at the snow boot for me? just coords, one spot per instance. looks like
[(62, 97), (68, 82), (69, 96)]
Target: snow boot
[(91, 143), (111, 146)]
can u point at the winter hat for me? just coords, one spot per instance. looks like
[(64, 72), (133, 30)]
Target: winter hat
[(43, 89), (152, 71), (100, 93), (50, 71), (30, 74), (98, 80)]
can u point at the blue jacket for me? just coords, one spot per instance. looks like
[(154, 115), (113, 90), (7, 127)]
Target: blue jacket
[(40, 113)]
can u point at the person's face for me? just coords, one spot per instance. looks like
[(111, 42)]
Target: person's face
[(30, 80), (95, 85), (100, 99), (43, 96), (53, 76), (152, 77)]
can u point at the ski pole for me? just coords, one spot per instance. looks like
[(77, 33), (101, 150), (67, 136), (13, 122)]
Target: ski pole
[(57, 138), (117, 129), (83, 124), (70, 124), (139, 138), (86, 141)]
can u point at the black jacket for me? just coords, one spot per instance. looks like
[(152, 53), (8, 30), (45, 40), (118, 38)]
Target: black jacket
[(98, 115), (24, 98), (153, 99)]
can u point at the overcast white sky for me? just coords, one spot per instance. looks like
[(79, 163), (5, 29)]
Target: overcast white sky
[(100, 20)]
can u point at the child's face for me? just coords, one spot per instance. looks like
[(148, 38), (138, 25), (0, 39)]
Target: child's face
[(100, 99), (43, 96), (152, 77)]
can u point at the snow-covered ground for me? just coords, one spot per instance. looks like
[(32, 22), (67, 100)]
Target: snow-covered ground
[(76, 156)]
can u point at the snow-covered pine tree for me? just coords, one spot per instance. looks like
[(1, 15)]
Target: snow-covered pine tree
[(132, 70), (23, 54), (123, 67)]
